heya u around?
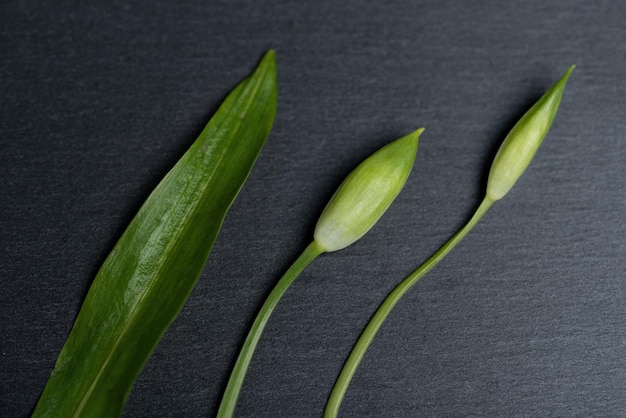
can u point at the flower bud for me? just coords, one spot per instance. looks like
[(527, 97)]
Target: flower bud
[(521, 144), (366, 194)]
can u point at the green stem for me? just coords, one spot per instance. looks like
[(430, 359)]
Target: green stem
[(229, 401), (341, 385)]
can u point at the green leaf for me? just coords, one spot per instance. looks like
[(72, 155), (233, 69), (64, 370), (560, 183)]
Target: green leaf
[(146, 279)]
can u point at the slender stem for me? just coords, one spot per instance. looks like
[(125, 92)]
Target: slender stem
[(229, 401), (341, 385)]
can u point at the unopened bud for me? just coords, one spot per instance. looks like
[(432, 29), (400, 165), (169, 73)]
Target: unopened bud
[(521, 144), (366, 194)]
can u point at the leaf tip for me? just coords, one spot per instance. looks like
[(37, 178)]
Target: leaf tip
[(269, 60)]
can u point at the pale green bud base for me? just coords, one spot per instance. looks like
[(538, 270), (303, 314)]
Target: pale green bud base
[(364, 341)]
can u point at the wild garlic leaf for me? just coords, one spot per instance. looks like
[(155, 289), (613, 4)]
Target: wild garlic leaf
[(146, 279)]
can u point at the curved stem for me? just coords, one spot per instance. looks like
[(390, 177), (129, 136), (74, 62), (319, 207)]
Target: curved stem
[(229, 401), (341, 385)]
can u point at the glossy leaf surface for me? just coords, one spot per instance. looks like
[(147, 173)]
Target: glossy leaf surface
[(151, 271)]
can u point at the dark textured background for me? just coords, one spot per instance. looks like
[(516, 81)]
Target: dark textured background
[(527, 317)]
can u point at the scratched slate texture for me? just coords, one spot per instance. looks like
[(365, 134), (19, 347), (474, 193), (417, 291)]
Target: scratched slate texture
[(527, 317)]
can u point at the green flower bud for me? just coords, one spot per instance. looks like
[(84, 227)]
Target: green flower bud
[(521, 144), (366, 194)]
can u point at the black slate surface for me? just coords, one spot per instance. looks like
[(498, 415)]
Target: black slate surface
[(527, 317)]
